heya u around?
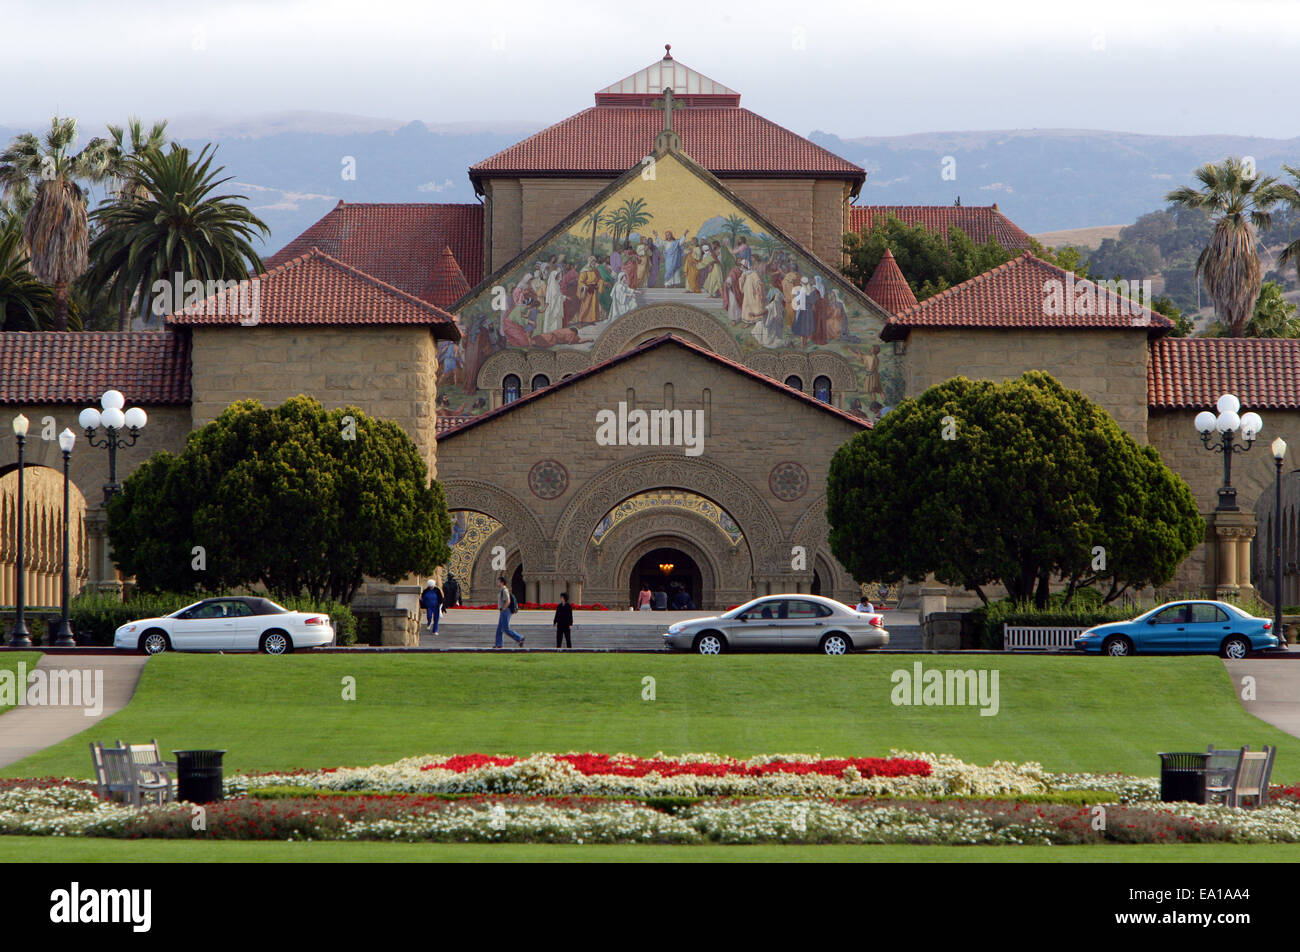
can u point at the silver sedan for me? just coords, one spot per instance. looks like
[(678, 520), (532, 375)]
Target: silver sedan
[(781, 623)]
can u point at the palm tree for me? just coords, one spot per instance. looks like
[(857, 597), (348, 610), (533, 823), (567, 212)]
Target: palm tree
[(41, 177), (177, 227), (1290, 194), (736, 227), (631, 216), (25, 303), (595, 219), (1239, 204), (127, 143)]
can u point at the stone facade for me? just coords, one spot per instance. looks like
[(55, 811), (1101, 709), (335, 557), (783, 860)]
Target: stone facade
[(1110, 366), (764, 460), (388, 371)]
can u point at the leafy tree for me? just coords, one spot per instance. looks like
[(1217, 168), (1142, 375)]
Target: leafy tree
[(26, 304), (596, 219), (127, 143), (178, 227), (1239, 202), (42, 178), (1273, 316), (1013, 482), (1289, 195), (735, 227), (284, 498)]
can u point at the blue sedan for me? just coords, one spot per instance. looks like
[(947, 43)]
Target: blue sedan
[(1183, 628)]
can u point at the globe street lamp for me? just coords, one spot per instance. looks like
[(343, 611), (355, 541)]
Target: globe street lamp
[(113, 420), (1279, 455), (63, 637), (20, 637), (1227, 423)]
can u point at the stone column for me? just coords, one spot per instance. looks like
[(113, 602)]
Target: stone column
[(102, 574), (934, 598), (1232, 532)]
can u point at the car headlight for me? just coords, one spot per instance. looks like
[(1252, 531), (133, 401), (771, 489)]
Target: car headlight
[(1087, 634), (674, 629)]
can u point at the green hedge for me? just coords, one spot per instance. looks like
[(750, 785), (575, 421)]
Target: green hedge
[(97, 616)]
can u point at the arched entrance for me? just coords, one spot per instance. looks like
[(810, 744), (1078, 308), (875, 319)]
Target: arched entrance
[(669, 570)]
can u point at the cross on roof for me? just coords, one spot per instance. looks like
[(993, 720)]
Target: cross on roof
[(667, 102)]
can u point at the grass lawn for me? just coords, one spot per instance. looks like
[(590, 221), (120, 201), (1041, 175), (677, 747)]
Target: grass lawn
[(1070, 713), (43, 849), (9, 662)]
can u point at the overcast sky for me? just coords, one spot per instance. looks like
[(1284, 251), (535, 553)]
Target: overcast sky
[(852, 68)]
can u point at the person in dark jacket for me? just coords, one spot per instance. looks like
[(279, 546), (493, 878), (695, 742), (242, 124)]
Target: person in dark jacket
[(431, 602), (563, 622), (661, 599), (450, 593)]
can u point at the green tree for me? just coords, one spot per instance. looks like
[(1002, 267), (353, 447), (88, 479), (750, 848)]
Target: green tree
[(736, 227), (127, 143), (42, 177), (178, 228), (596, 219), (1014, 482), (297, 498), (26, 304), (1289, 194), (1273, 316), (1238, 201)]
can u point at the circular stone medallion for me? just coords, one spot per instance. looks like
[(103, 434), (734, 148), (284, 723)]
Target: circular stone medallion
[(788, 481), (548, 479)]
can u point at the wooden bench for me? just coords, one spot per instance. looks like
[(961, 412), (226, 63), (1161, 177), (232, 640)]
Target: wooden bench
[(1239, 774), (120, 777)]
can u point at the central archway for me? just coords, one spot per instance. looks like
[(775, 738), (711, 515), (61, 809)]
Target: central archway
[(668, 569)]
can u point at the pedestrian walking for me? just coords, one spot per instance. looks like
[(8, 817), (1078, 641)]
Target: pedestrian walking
[(563, 622), (506, 606), (431, 602), (643, 600), (450, 593)]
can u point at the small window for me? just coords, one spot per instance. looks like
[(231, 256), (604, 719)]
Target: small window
[(510, 389), (540, 381), (1208, 614), (822, 389), (802, 609), (794, 381), (1173, 615)]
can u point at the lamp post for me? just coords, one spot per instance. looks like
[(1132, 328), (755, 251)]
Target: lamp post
[(63, 637), (20, 638), (1227, 424), (1279, 456), (113, 420)]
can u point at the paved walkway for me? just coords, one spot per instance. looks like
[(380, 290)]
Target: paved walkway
[(1277, 690), (25, 730)]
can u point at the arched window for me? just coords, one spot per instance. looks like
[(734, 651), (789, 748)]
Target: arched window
[(822, 389), (540, 381), (794, 381), (510, 389)]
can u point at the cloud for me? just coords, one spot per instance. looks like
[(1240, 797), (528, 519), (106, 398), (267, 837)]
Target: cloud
[(435, 187)]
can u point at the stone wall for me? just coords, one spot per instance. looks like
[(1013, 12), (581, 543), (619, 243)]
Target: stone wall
[(389, 371), (1109, 366)]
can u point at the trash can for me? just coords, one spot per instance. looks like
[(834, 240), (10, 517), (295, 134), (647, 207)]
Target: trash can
[(1182, 777), (198, 775)]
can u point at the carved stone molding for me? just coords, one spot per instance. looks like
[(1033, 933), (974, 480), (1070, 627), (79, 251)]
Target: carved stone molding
[(653, 320)]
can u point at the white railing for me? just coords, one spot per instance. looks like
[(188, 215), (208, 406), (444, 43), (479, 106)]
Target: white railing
[(1017, 638)]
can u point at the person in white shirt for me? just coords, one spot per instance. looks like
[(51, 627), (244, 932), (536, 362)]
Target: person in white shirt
[(865, 606)]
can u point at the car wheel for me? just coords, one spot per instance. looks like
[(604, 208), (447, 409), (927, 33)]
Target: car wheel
[(154, 641), (1117, 646), (710, 642), (835, 643), (1235, 647), (276, 642)]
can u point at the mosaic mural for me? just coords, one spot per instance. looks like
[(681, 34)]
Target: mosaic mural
[(669, 237)]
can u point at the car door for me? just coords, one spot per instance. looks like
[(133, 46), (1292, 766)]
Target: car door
[(247, 628), (1209, 626), (199, 629), (805, 623), (1166, 630), (759, 627)]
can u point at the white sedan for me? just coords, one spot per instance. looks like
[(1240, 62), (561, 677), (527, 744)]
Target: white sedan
[(781, 623), (231, 623)]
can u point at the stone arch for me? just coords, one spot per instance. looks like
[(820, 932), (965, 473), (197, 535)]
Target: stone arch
[(808, 366), (654, 320), (812, 532), (505, 508), (42, 535), (705, 477), (526, 364)]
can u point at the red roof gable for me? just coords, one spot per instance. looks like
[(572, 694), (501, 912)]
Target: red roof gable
[(609, 140), (1026, 292), (449, 282), (889, 288), (1193, 372), (980, 222), (61, 367), (661, 341), (315, 289), (398, 244)]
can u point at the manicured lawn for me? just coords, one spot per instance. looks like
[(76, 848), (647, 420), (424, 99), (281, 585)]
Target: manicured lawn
[(36, 849), (1093, 714), (9, 662)]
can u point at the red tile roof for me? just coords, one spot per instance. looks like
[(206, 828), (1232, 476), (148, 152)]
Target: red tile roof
[(980, 222), (315, 289), (661, 341), (609, 140), (449, 284), (1026, 292), (68, 367), (889, 288), (1193, 372), (399, 244)]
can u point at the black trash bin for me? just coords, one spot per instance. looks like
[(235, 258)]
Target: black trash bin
[(1182, 777), (198, 775)]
